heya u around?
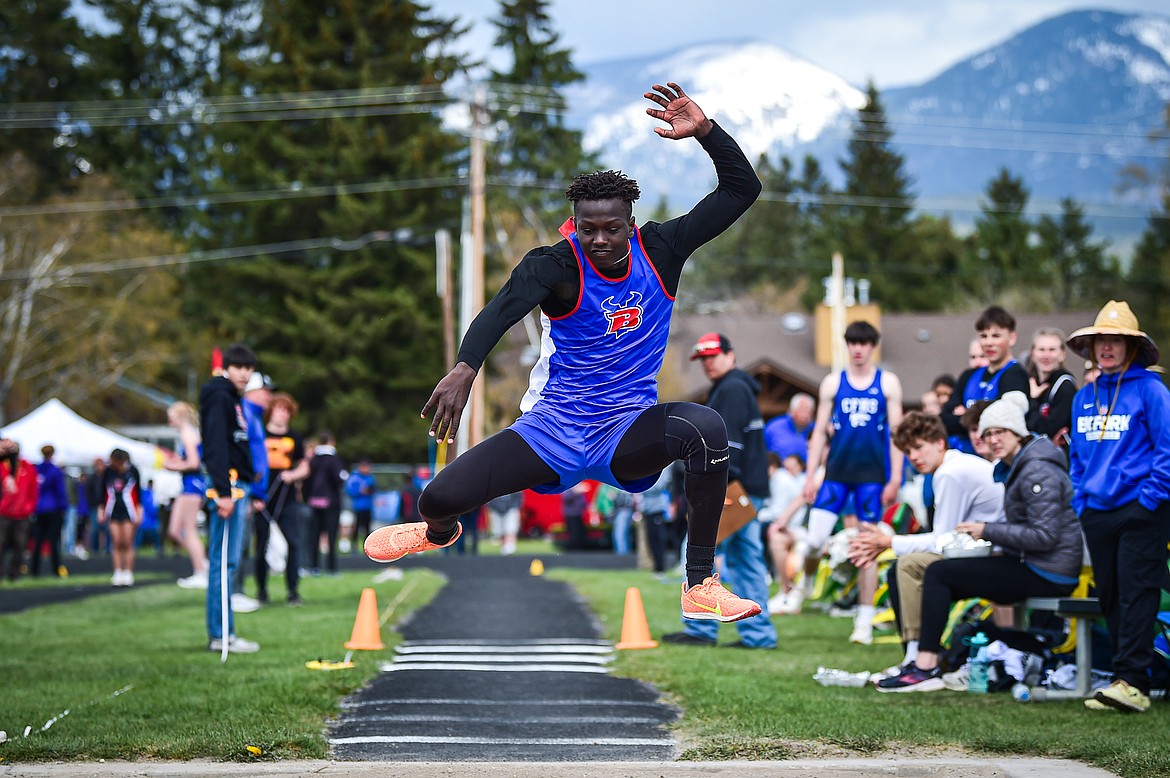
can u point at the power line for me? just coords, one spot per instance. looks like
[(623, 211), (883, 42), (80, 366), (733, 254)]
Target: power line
[(224, 198), (215, 255), (388, 101)]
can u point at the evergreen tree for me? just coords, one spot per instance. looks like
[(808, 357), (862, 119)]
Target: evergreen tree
[(1149, 275), (874, 231), (1082, 271), (45, 59), (762, 247), (345, 100), (154, 67), (818, 238), (1000, 253), (535, 155), (939, 254)]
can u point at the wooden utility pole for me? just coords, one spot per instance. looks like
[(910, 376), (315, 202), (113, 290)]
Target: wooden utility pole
[(840, 355), (475, 423), (444, 289)]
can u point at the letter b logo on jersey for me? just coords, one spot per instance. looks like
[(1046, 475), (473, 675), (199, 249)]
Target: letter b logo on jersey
[(624, 316)]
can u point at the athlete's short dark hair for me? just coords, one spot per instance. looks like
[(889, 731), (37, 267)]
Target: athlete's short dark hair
[(918, 426), (239, 355), (995, 316), (862, 332), (604, 185)]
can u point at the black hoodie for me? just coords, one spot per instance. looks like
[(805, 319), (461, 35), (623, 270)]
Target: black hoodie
[(225, 435), (734, 397)]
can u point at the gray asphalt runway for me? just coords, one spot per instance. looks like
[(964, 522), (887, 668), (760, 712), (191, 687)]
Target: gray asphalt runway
[(503, 666)]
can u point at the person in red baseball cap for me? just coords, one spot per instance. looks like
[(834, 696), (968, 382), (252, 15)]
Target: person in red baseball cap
[(733, 396)]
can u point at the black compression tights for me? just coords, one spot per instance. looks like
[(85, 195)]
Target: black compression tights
[(661, 434)]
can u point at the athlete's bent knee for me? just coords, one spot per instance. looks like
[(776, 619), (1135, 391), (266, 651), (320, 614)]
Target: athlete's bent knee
[(700, 436)]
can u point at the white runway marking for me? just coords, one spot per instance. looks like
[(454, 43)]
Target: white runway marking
[(507, 703), (462, 648), (535, 656), (494, 719), (495, 741), (515, 658), (392, 667)]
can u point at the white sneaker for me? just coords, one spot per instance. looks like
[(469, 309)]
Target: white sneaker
[(127, 578), (958, 680), (389, 574), (193, 581), (890, 672), (236, 645), (778, 603), (793, 602), (81, 553), (116, 578), (508, 548), (242, 603), (862, 634)]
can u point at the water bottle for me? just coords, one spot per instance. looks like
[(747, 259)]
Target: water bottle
[(977, 677), (826, 676), (1021, 692)]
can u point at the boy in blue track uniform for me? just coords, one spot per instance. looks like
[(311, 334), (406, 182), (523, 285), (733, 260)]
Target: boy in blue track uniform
[(860, 406)]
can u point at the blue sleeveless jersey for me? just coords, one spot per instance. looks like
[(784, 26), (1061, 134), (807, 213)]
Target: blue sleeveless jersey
[(860, 448), (193, 483), (979, 387), (598, 369)]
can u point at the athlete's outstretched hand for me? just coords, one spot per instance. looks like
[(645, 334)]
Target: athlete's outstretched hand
[(685, 117), (448, 400)]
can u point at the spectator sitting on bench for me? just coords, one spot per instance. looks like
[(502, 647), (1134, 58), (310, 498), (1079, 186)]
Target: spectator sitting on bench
[(1041, 539), (964, 490)]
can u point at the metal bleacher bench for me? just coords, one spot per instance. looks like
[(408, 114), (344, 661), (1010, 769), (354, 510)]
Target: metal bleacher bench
[(1084, 610)]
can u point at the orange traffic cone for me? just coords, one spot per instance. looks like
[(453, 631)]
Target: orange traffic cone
[(367, 636), (635, 630)]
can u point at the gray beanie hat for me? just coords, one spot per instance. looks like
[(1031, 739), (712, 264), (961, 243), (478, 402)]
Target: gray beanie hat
[(1006, 413)]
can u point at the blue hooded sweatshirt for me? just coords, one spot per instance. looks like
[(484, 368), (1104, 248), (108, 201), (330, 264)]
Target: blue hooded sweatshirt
[(1120, 442), (52, 496)]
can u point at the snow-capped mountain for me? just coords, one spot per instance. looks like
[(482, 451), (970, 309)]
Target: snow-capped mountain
[(1065, 104), (770, 100)]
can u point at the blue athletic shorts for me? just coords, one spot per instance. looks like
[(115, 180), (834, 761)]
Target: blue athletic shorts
[(577, 451), (867, 499), (194, 483)]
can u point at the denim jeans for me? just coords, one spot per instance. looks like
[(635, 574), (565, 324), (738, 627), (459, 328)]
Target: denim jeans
[(623, 519), (235, 548)]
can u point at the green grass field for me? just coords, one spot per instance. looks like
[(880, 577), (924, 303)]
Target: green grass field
[(180, 703), (744, 704)]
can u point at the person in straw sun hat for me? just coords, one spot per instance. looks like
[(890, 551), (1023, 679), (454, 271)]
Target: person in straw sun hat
[(1120, 469)]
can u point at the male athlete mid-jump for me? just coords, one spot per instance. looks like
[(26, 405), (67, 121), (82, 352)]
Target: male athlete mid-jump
[(605, 293)]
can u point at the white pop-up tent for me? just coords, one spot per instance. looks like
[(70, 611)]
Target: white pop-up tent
[(78, 442)]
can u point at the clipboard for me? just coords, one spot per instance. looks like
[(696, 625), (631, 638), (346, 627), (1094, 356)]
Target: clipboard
[(738, 511)]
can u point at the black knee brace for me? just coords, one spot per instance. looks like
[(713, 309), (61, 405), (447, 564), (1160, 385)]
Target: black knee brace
[(697, 435)]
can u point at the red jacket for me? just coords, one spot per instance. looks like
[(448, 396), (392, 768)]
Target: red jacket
[(21, 503)]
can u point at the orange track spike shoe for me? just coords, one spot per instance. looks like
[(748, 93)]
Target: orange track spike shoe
[(710, 601), (389, 544)]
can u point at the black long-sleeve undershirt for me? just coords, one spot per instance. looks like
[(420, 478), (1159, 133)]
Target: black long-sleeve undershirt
[(548, 277)]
